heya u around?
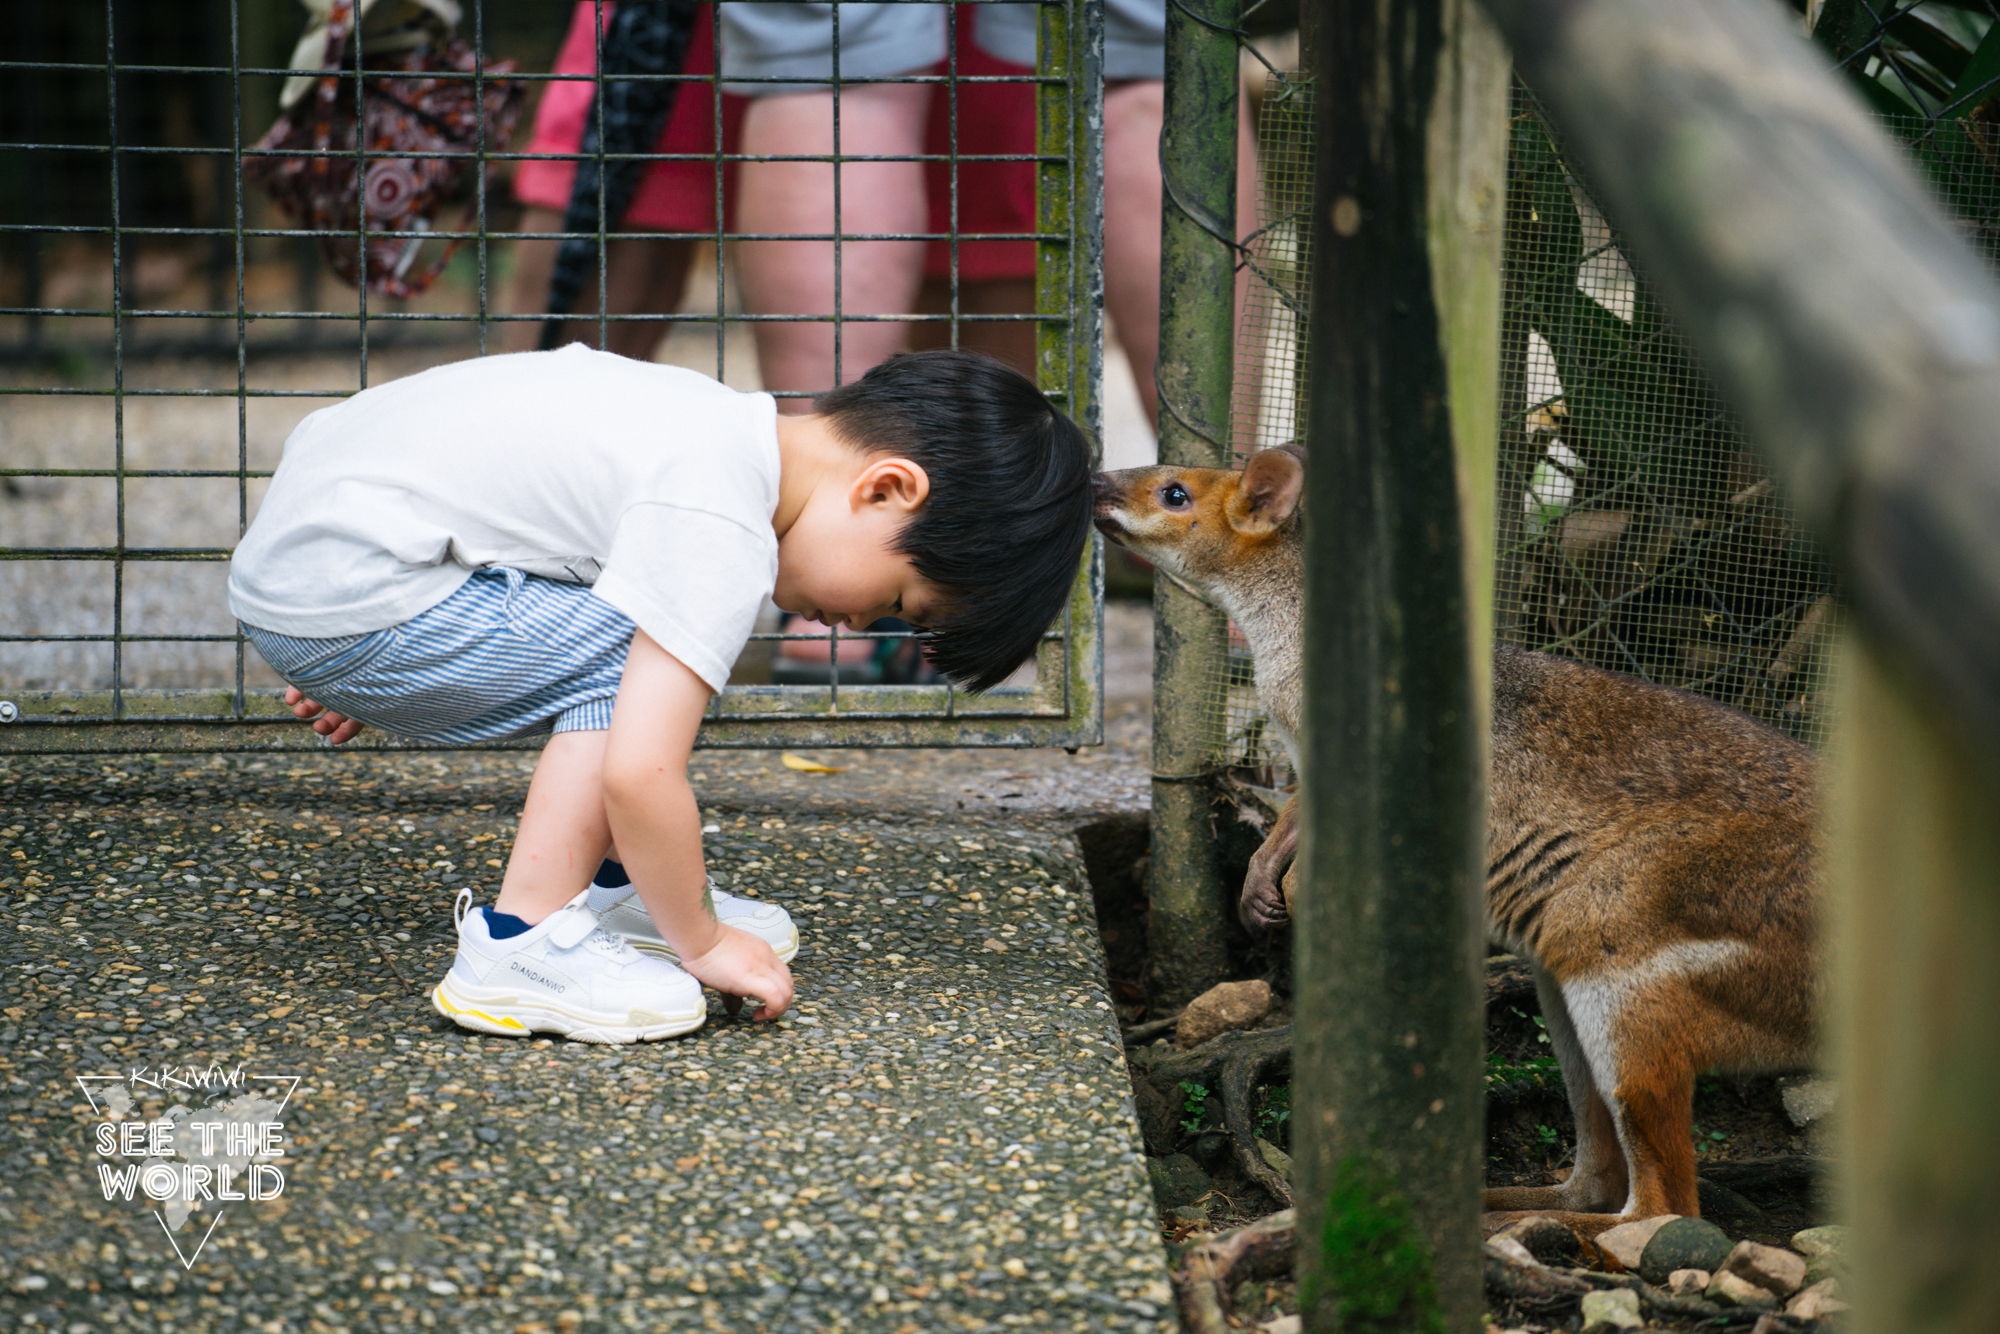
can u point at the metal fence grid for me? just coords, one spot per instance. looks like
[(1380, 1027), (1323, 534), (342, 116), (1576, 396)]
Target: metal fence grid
[(133, 453)]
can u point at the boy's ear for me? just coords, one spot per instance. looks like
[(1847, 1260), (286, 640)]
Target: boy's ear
[(1267, 494), (896, 482)]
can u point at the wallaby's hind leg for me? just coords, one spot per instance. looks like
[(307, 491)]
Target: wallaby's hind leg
[(1655, 1109), (1597, 1183)]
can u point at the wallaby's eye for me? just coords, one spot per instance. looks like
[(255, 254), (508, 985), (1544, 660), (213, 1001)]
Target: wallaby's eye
[(1174, 496)]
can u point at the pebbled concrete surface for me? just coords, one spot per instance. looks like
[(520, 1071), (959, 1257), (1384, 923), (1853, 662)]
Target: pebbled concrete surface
[(941, 1138)]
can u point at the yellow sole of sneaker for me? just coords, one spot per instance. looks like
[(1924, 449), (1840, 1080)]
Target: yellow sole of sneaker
[(511, 1015)]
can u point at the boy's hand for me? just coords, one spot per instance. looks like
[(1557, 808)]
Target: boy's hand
[(740, 965), (335, 727)]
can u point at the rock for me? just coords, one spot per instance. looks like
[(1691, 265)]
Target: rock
[(1685, 1243), (1821, 1299), (1159, 1125), (1728, 1210), (1727, 1289), (1772, 1268), (1615, 1309), (1627, 1242), (1177, 1180), (1509, 1249), (1688, 1282), (1189, 1213), (1825, 1249), (1546, 1239), (1807, 1098), (1275, 1158), (1223, 1008)]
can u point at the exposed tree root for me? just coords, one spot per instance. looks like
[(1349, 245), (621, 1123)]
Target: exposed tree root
[(1534, 1286), (1212, 1268), (1138, 1035), (1234, 1064), (1546, 1291)]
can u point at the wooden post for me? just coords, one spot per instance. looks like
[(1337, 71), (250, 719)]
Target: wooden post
[(1915, 850), (1187, 921), (1412, 102)]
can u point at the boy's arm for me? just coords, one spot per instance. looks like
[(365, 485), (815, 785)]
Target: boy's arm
[(656, 826)]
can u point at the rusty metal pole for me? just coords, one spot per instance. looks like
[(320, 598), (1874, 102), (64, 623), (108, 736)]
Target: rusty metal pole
[(1188, 920)]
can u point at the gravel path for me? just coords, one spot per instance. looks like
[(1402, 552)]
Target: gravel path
[(940, 1138)]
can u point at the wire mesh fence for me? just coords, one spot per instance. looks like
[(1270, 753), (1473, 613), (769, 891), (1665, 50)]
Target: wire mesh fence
[(1637, 530), (207, 234), (1268, 406)]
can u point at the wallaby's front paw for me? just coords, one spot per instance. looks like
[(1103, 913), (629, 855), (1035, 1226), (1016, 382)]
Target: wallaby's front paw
[(1262, 906)]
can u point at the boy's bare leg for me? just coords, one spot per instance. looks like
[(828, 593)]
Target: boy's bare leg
[(796, 198), (563, 833), (647, 277)]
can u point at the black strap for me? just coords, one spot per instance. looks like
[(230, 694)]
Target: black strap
[(644, 37)]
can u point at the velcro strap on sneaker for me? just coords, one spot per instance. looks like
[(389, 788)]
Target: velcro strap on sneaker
[(572, 925)]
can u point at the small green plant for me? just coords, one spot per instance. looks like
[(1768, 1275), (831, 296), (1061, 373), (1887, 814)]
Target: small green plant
[(1276, 1111), (1543, 1070), (1546, 1136), (1194, 1100)]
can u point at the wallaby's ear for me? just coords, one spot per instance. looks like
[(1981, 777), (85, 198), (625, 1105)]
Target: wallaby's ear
[(1267, 495)]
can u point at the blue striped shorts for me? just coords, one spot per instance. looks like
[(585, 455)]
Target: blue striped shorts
[(507, 655)]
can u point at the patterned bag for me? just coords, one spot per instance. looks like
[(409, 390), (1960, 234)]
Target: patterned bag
[(407, 108)]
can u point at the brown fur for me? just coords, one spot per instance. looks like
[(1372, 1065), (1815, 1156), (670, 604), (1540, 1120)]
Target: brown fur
[(1652, 852)]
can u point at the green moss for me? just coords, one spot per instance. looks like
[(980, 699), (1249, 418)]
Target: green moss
[(1375, 1264)]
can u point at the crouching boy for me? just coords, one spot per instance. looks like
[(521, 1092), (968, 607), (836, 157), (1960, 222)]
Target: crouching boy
[(578, 544)]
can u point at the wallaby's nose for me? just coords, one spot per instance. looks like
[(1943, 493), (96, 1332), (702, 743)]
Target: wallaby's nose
[(1103, 488)]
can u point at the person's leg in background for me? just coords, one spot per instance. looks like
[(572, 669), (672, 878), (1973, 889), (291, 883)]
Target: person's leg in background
[(807, 199), (643, 277), (1133, 114), (797, 198)]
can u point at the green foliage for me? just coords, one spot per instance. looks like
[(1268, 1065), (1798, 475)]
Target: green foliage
[(1546, 1136), (1376, 1266), (1276, 1111), (1541, 1071), (1194, 1101)]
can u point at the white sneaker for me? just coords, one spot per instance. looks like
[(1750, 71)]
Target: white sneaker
[(564, 975), (620, 909)]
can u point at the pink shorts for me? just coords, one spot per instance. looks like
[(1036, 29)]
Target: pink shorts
[(680, 196)]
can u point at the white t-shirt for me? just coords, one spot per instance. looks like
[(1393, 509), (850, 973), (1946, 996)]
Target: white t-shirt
[(654, 485)]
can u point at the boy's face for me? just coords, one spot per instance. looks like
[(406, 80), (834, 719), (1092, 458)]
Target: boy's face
[(838, 561)]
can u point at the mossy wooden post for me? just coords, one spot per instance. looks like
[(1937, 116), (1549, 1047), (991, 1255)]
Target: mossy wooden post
[(1412, 104), (1197, 346)]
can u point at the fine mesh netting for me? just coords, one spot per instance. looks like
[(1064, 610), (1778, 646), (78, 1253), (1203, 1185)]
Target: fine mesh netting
[(1637, 529), (1268, 403)]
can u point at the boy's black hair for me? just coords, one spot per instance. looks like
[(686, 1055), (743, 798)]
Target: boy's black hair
[(1010, 500)]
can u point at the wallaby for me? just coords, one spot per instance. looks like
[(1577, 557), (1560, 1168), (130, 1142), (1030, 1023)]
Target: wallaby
[(1653, 853)]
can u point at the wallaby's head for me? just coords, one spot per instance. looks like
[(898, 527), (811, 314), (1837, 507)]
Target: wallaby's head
[(1205, 526)]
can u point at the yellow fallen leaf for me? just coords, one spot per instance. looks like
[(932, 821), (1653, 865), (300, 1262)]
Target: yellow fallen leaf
[(805, 766)]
